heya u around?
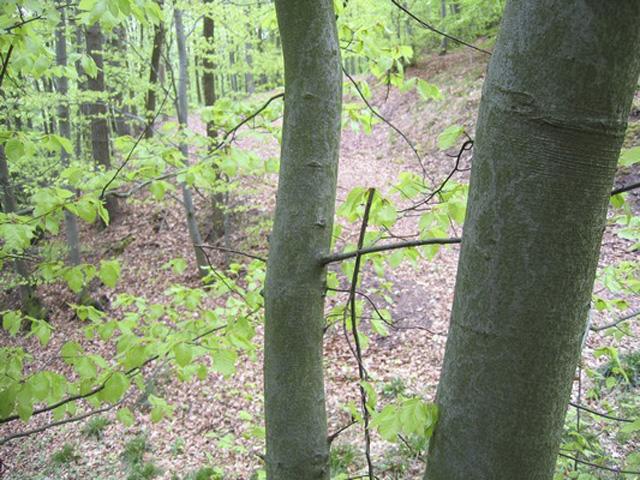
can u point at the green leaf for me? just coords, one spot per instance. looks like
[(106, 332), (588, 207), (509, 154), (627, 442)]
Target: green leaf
[(159, 188), (14, 149), (109, 272), (629, 157), (449, 137), (39, 383), (24, 403), (387, 422), (42, 330), (11, 321), (183, 353), (74, 278), (428, 91), (632, 427), (224, 361), (179, 265), (89, 66), (125, 417), (116, 385)]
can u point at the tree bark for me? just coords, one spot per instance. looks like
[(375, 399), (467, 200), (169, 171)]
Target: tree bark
[(97, 110), (62, 86), (209, 90), (295, 416), (156, 55), (120, 110), (551, 124), (183, 117), (444, 44)]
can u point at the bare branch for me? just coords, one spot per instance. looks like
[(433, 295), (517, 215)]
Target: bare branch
[(338, 257), (617, 322), (435, 30)]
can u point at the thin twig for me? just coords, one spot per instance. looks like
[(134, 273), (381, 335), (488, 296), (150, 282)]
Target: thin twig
[(5, 64), (247, 119), (617, 322), (231, 250), (381, 117), (625, 188), (601, 467), (435, 30), (600, 414), (354, 330), (135, 145), (466, 146), (335, 434)]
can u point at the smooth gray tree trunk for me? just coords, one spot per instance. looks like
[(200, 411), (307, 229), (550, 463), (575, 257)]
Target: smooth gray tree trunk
[(297, 446), (183, 120), (552, 121), (62, 85)]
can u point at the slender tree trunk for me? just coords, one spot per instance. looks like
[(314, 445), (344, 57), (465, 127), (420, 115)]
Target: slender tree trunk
[(444, 45), (97, 110), (297, 446), (249, 83), (551, 124), (232, 65), (209, 90), (120, 109), (154, 72), (71, 227), (81, 84), (183, 116), (196, 68)]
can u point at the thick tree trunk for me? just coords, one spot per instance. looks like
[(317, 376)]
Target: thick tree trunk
[(297, 446), (71, 227), (550, 128), (97, 109), (183, 116), (209, 90), (154, 72)]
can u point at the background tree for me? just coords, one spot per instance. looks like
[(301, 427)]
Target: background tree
[(96, 108)]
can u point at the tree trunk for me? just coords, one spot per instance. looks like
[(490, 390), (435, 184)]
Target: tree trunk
[(183, 116), (97, 109), (444, 44), (233, 78), (550, 128), (249, 84), (71, 226), (156, 55), (297, 446), (209, 90), (120, 110)]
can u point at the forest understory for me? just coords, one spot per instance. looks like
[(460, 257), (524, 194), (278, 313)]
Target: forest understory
[(217, 421)]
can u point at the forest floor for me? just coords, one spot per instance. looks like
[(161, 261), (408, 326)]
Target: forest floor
[(213, 418)]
